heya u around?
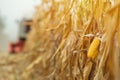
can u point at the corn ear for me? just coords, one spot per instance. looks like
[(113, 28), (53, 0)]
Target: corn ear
[(93, 49)]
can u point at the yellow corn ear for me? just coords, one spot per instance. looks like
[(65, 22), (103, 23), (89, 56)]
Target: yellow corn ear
[(93, 49)]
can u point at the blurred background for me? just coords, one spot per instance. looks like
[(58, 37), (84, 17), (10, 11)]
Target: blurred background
[(12, 14)]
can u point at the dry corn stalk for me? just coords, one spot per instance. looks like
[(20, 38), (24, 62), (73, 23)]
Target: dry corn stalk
[(65, 30)]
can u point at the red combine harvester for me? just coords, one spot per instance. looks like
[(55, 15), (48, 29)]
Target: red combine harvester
[(24, 29), (17, 47)]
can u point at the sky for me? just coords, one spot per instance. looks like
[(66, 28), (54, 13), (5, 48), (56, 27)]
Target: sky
[(12, 11)]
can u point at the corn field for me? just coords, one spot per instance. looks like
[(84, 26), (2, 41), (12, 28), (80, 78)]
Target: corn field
[(74, 40)]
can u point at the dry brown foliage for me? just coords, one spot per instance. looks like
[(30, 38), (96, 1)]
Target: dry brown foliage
[(62, 33)]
